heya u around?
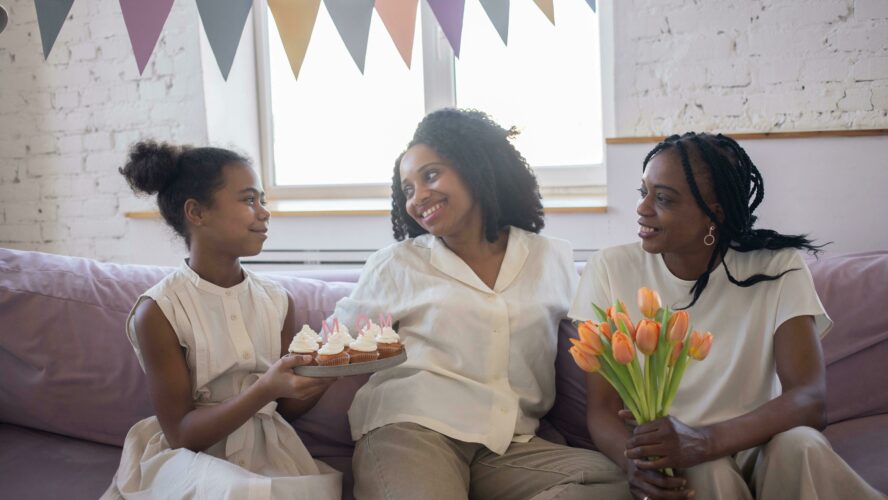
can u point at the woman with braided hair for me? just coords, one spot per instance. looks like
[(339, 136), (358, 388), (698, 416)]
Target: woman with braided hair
[(477, 296), (744, 423)]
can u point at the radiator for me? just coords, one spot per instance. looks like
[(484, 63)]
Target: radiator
[(295, 259)]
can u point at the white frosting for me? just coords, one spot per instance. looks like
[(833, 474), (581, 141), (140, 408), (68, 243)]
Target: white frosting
[(372, 330), (331, 348), (364, 343), (306, 330), (303, 343), (388, 336), (340, 336)]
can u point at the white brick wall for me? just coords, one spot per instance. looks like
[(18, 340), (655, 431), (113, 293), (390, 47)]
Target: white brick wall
[(752, 65), (66, 124)]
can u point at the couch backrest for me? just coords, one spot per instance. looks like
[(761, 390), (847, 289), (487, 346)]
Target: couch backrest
[(65, 363), (66, 366)]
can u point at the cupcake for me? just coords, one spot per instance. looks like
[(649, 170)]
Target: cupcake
[(332, 354), (303, 343), (340, 334), (363, 349), (388, 343), (307, 331)]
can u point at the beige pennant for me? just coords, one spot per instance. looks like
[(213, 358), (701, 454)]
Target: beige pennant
[(295, 21)]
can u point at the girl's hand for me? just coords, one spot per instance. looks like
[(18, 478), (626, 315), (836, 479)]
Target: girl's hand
[(280, 381), (673, 443)]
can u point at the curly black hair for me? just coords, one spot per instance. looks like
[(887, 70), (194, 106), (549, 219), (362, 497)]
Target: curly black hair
[(494, 171), (739, 189), (176, 174)]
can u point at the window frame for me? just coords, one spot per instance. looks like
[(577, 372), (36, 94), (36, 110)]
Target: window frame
[(439, 90)]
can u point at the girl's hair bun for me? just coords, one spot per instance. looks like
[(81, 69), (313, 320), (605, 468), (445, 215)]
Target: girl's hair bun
[(151, 166)]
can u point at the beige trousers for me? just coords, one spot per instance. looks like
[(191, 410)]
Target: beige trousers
[(408, 461), (796, 464)]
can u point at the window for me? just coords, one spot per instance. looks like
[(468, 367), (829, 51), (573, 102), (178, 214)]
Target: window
[(336, 133)]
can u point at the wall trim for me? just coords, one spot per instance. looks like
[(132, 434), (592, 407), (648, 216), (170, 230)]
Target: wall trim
[(746, 136)]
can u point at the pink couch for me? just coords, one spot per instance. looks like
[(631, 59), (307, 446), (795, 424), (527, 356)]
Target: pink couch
[(70, 385)]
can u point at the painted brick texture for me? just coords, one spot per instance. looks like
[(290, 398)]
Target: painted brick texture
[(66, 124), (754, 65)]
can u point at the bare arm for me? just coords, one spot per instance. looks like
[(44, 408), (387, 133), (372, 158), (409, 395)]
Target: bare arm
[(799, 361), (169, 386), (184, 424), (800, 368), (291, 408)]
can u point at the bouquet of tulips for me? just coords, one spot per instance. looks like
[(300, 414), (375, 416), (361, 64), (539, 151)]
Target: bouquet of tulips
[(609, 348)]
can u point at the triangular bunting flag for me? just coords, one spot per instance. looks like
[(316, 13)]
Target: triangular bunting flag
[(400, 21), (498, 12), (548, 9), (51, 16), (144, 22), (591, 4), (449, 14), (223, 21), (352, 21), (295, 21)]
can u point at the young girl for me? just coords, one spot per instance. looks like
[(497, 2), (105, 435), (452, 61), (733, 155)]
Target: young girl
[(212, 340), (478, 295), (744, 421)]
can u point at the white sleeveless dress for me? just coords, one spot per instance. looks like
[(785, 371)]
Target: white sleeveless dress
[(231, 337)]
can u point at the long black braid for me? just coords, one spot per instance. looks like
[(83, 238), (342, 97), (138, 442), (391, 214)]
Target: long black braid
[(493, 170), (739, 189)]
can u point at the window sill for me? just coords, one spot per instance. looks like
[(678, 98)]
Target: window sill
[(381, 206)]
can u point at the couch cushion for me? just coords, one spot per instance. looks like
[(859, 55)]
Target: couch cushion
[(65, 362), (36, 464), (863, 443), (852, 288)]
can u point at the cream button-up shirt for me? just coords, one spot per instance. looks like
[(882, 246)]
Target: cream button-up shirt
[(480, 361)]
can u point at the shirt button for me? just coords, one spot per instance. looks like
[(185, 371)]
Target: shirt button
[(233, 317), (228, 293), (242, 463), (503, 410), (246, 355)]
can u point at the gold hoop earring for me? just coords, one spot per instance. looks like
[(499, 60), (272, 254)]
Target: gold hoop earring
[(709, 239)]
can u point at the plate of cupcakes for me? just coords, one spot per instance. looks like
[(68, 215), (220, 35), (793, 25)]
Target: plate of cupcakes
[(337, 354)]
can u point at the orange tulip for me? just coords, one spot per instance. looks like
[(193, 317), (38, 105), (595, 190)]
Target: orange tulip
[(624, 318), (586, 348), (589, 336), (605, 328), (624, 351), (615, 309), (584, 361), (677, 327), (647, 333), (648, 302), (676, 350), (700, 345)]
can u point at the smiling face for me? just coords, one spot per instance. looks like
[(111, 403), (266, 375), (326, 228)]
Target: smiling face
[(669, 219), (237, 221), (436, 196)]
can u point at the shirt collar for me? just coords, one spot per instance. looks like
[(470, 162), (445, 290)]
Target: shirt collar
[(444, 260), (208, 287)]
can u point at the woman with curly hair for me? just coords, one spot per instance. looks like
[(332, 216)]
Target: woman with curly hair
[(477, 295)]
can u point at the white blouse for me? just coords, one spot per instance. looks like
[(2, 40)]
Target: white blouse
[(480, 364)]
